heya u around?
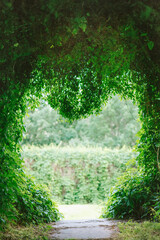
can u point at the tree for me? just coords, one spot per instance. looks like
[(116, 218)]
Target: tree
[(81, 53), (115, 126)]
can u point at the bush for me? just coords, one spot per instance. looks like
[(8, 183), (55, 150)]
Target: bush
[(21, 200), (156, 208), (35, 205), (132, 197), (76, 175)]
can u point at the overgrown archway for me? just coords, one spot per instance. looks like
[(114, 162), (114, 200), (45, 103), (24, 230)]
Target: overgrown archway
[(80, 161), (81, 53)]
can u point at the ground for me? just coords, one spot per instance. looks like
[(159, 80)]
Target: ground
[(84, 229), (81, 222)]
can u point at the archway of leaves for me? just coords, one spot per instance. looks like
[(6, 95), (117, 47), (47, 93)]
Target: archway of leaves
[(80, 52)]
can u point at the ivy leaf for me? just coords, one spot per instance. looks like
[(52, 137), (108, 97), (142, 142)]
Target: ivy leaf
[(150, 45), (158, 144), (83, 26), (75, 31), (143, 34), (16, 44)]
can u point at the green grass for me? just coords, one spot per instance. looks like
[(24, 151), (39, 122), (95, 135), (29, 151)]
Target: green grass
[(139, 231), (77, 211), (31, 232)]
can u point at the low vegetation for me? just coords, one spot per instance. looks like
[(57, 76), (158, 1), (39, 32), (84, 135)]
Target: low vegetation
[(33, 204), (139, 231), (76, 175), (133, 197), (31, 232)]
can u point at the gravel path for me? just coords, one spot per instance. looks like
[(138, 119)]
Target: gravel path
[(84, 229)]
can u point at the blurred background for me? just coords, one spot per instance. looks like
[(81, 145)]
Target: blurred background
[(79, 162)]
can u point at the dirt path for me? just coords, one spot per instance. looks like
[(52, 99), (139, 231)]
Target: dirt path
[(84, 229)]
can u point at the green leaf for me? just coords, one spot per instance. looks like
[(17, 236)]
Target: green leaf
[(16, 44), (158, 144), (150, 45), (83, 26), (143, 34)]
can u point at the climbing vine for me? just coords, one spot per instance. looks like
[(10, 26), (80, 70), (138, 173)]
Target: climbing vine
[(80, 52)]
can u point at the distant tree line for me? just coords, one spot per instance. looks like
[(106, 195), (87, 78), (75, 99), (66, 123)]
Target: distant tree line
[(115, 126)]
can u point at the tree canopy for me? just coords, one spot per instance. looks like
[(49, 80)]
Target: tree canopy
[(79, 52), (115, 126)]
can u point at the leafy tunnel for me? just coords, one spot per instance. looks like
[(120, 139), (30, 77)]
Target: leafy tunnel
[(79, 53)]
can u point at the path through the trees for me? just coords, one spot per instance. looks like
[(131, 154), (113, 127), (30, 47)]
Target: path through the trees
[(85, 229)]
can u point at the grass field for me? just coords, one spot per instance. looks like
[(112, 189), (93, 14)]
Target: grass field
[(78, 211)]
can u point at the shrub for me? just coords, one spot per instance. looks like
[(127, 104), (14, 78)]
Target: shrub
[(76, 175), (35, 205), (156, 208), (31, 203), (132, 197)]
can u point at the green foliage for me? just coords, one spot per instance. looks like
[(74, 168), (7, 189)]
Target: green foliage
[(80, 52), (156, 208), (139, 231), (29, 203), (76, 175), (114, 126), (133, 196), (12, 178), (35, 205)]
